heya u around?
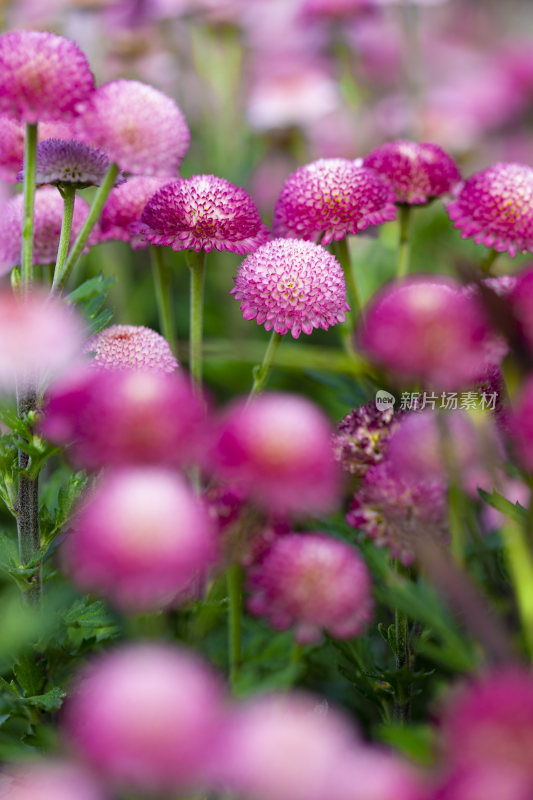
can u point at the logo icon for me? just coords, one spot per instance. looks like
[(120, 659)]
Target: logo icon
[(384, 400)]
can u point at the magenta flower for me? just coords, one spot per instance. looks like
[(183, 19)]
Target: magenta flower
[(131, 347), (313, 583), (418, 171), (145, 716), (521, 301), (428, 329), (46, 230), (486, 782), (140, 128), (336, 9), (50, 780), (495, 207), (124, 417), (42, 76), (202, 213), (278, 449), (362, 437), (291, 286), (60, 161), (520, 424), (140, 539), (124, 207), (12, 150), (331, 198)]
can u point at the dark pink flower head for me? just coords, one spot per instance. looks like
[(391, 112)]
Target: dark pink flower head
[(336, 9), (46, 230), (313, 583), (42, 76), (140, 539), (140, 128), (124, 207), (394, 511), (50, 780), (202, 213), (521, 301), (495, 207), (131, 347), (144, 716), (11, 148), (331, 198), (520, 423), (418, 171), (61, 161), (121, 417), (427, 329), (487, 781), (289, 285), (278, 448), (362, 437)]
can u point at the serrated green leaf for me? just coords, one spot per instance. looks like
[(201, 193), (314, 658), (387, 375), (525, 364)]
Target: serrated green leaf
[(91, 288), (415, 741), (88, 614), (49, 701), (513, 511), (28, 674), (101, 320)]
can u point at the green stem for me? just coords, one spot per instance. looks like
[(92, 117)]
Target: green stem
[(68, 193), (234, 580), (94, 214), (488, 261), (262, 372), (342, 252), (30, 154), (196, 264), (28, 504), (402, 654), (520, 564), (404, 244), (163, 293)]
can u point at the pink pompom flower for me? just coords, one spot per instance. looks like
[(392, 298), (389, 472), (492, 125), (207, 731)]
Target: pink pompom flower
[(140, 128), (418, 171), (124, 207), (60, 161), (202, 213), (42, 76), (12, 148), (145, 717), (313, 583), (140, 539), (278, 449), (131, 347), (427, 329), (495, 207), (330, 198), (50, 780), (114, 418), (290, 285)]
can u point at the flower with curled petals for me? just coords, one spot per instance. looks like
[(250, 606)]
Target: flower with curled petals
[(290, 285), (131, 347), (140, 128), (61, 162), (202, 213), (43, 76), (418, 171), (332, 197), (495, 208)]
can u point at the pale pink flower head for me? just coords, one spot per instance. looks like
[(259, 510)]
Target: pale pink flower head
[(290, 285), (284, 747), (362, 437), (40, 337), (124, 207), (495, 207), (140, 539), (144, 716), (418, 171), (427, 329), (49, 780), (11, 148), (131, 347), (42, 76), (121, 417), (46, 230), (60, 162), (202, 213), (330, 198), (313, 583), (140, 128), (375, 774), (278, 448)]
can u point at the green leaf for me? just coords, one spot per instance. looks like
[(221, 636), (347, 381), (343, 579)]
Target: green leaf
[(49, 701), (93, 287), (89, 298), (513, 511), (29, 674), (53, 523), (417, 742)]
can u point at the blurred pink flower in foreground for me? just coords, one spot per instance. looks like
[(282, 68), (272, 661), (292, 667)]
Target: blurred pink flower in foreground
[(125, 205), (145, 717), (289, 285), (50, 780), (312, 582), (278, 448), (330, 198), (131, 347), (521, 424), (140, 539)]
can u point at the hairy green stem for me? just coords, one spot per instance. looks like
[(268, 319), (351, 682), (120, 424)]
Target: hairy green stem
[(28, 504), (261, 372), (30, 154), (404, 244), (196, 264), (488, 261), (403, 659), (234, 581), (163, 293), (342, 252), (68, 193)]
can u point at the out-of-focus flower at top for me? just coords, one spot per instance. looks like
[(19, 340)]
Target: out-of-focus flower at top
[(418, 171), (331, 198), (131, 347), (495, 207), (141, 129), (124, 207), (289, 285), (50, 780), (60, 162), (336, 9), (202, 213), (42, 76), (47, 227)]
